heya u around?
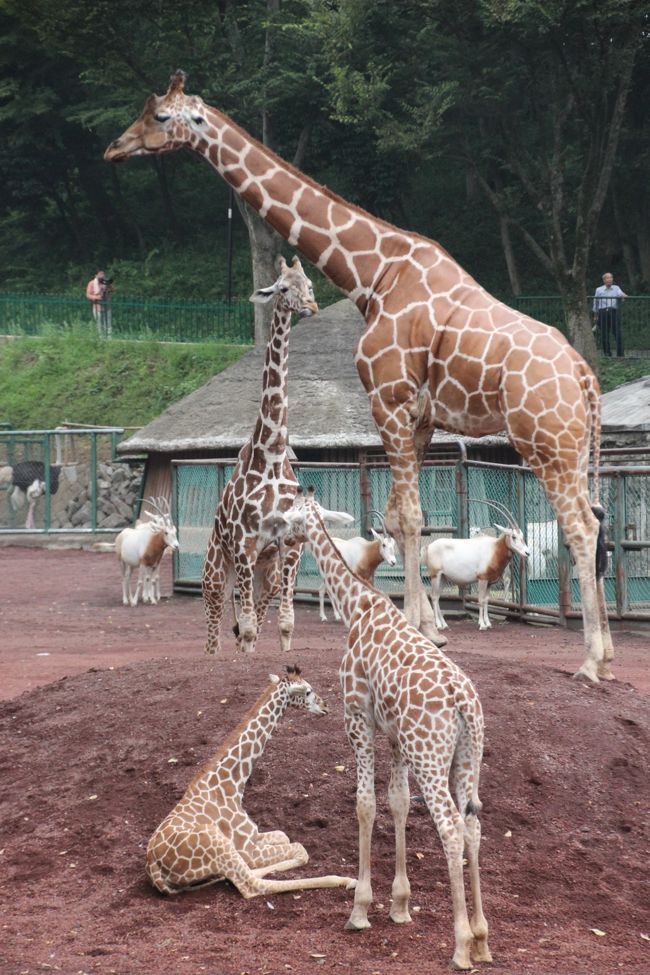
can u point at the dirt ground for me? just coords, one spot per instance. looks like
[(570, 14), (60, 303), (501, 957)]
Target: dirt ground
[(99, 698)]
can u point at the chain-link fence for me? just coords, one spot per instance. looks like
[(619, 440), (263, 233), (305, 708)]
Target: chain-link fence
[(65, 480), (230, 322), (453, 500)]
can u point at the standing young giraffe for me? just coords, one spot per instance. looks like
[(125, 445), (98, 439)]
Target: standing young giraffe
[(243, 547), (208, 836), (438, 351), (394, 680)]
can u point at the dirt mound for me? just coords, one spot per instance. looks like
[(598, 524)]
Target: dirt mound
[(91, 764)]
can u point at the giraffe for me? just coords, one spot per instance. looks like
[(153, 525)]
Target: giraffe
[(242, 546), (438, 350), (208, 837), (394, 680)]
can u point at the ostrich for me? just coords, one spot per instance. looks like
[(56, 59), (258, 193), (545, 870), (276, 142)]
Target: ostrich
[(28, 481)]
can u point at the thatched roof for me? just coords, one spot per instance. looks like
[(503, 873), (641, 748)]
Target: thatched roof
[(328, 406), (627, 407)]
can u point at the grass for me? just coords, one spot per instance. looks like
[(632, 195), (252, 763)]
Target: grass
[(615, 372), (78, 377), (83, 379)]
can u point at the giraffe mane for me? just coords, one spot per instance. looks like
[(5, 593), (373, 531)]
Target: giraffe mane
[(325, 190)]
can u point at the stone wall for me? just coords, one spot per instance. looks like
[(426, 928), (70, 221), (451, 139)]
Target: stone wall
[(118, 487)]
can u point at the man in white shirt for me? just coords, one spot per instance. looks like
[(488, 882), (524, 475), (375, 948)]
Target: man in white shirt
[(605, 309)]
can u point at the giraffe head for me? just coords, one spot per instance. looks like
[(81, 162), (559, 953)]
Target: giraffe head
[(299, 692), (295, 520), (293, 290), (167, 122)]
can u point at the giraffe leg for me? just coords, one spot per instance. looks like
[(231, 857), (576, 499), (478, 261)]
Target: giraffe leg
[(451, 830), (247, 624), (289, 570), (580, 530), (266, 585), (361, 736), (462, 776), (404, 521), (399, 800), (605, 669), (214, 857), (217, 580)]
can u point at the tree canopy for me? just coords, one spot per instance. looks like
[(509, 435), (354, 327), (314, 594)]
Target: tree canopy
[(510, 130)]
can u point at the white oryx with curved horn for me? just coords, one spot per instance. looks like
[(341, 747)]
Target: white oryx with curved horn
[(143, 547), (362, 557), (466, 560)]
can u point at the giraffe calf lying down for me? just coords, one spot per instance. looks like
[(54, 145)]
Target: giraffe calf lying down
[(208, 836)]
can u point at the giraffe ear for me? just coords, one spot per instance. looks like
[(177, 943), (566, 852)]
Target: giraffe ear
[(262, 295), (282, 264), (274, 678)]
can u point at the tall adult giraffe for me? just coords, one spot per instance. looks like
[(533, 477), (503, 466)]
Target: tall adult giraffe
[(438, 351)]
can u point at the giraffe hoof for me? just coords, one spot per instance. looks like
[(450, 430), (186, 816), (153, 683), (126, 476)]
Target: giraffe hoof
[(605, 673), (482, 954), (360, 925), (401, 917), (586, 673)]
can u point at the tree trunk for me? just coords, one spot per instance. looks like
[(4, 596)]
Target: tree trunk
[(643, 245), (172, 219), (266, 246), (626, 244), (579, 321), (509, 254)]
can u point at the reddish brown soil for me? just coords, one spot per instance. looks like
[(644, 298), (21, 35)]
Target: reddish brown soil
[(86, 777)]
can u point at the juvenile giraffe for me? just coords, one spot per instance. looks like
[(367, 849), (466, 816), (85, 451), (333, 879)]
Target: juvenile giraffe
[(438, 351), (393, 679), (243, 547), (208, 836)]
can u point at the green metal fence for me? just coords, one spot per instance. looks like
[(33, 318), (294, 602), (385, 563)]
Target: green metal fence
[(131, 318), (452, 498), (634, 315), (65, 480)]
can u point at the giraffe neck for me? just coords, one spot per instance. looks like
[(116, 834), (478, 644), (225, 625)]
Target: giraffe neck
[(270, 434), (346, 587), (246, 744), (344, 242)]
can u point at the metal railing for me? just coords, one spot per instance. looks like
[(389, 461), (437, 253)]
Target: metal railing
[(230, 322), (544, 586), (65, 480), (634, 314)]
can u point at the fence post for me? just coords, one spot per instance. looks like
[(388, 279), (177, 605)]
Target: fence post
[(93, 481), (47, 512), (620, 554), (521, 520), (565, 594), (365, 500), (462, 510)]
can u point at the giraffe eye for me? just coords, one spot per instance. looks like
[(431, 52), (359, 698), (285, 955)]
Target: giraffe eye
[(161, 117), (198, 119), (284, 289)]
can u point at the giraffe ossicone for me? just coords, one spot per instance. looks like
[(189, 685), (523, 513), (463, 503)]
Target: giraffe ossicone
[(208, 836), (397, 682), (438, 352)]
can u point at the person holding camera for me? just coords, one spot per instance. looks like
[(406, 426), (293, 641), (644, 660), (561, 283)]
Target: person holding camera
[(98, 292)]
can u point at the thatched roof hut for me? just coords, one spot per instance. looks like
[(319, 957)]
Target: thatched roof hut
[(329, 417), (626, 415)]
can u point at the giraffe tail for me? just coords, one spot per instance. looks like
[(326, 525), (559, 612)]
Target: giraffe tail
[(471, 713), (593, 401)]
